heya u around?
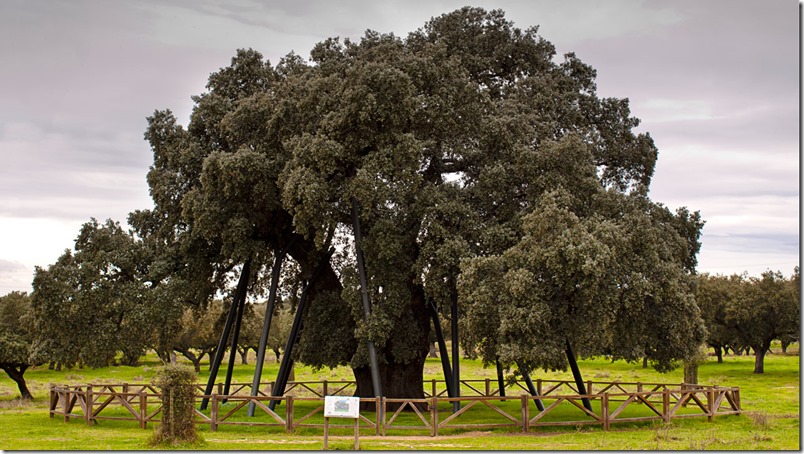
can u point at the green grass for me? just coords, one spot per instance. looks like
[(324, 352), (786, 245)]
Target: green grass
[(770, 421)]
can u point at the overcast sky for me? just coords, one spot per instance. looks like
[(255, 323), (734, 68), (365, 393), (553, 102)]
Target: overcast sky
[(715, 82)]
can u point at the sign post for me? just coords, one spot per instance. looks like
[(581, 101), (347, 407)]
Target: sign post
[(341, 407)]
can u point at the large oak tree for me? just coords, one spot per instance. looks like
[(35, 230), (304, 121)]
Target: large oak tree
[(446, 144)]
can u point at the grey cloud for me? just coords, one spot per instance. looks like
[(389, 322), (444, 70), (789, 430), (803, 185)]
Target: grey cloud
[(14, 276)]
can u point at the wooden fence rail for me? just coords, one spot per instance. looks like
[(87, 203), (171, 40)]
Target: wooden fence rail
[(612, 403)]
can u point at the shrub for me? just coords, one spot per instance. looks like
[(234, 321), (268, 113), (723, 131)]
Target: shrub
[(176, 384)]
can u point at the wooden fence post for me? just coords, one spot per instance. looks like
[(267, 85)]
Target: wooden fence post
[(433, 416), (589, 387), (666, 405), (289, 414), (736, 396), (53, 399), (539, 386), (143, 409), (88, 405), (604, 410), (213, 414), (525, 413), (710, 403), (325, 386), (434, 389), (65, 403), (379, 409), (639, 390), (488, 387)]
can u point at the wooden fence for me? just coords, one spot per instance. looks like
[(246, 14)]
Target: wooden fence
[(303, 404)]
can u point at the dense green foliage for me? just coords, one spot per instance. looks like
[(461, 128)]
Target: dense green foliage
[(98, 300), (17, 340), (609, 276), (446, 143)]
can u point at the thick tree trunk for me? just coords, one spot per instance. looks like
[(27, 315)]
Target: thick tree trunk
[(433, 352), (16, 372), (691, 373), (719, 353), (276, 353), (398, 380), (401, 379), (243, 355), (759, 360)]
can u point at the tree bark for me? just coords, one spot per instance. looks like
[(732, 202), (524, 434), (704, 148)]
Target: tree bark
[(399, 378), (16, 372), (691, 373), (759, 360), (196, 360), (719, 353)]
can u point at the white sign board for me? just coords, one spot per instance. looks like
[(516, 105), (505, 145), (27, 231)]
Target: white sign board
[(341, 407)]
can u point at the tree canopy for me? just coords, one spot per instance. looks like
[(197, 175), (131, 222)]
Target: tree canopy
[(97, 300), (484, 171), (17, 343), (447, 141)]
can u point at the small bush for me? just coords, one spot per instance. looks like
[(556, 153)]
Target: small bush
[(176, 384), (760, 419)]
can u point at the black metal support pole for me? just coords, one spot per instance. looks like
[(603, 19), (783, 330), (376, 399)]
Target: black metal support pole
[(500, 379), (216, 361), (442, 349), (576, 373), (531, 388), (241, 305), (287, 362), (456, 365), (266, 327), (361, 266)]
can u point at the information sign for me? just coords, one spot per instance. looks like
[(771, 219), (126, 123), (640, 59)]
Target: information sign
[(341, 407)]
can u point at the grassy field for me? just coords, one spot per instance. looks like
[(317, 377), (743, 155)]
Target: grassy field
[(771, 419)]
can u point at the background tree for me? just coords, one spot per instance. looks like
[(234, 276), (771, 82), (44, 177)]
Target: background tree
[(95, 303), (16, 339), (443, 142), (713, 295), (765, 310), (250, 330), (198, 337), (280, 330), (793, 331)]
